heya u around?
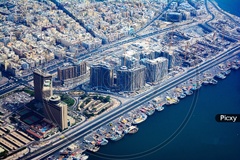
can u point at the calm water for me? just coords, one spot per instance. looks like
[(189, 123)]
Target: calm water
[(231, 6), (201, 138), (187, 130)]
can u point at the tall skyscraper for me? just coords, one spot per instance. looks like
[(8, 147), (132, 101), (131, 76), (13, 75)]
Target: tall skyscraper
[(171, 56), (56, 111), (72, 71), (42, 85), (101, 76), (156, 69), (131, 79), (129, 61)]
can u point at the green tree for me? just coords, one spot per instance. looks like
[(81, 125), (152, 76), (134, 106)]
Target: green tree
[(68, 100), (83, 96), (95, 97), (106, 99), (101, 98)]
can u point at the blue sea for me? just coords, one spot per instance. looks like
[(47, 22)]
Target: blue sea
[(231, 6), (187, 130)]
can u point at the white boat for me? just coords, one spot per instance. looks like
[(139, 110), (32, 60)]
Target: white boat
[(84, 157), (140, 118), (160, 108), (131, 129), (235, 67), (117, 137), (92, 148)]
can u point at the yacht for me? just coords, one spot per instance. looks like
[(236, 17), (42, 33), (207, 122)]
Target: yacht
[(150, 110), (139, 118), (116, 137), (102, 141), (182, 95), (171, 100), (227, 72), (213, 81), (160, 108), (235, 67), (131, 129), (188, 92), (92, 148), (205, 82), (220, 76)]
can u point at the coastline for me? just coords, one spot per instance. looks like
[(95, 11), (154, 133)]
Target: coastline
[(232, 8), (202, 131)]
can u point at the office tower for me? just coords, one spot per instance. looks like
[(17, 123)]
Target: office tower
[(173, 16), (156, 69), (131, 79), (148, 55), (56, 111), (171, 56), (129, 61), (101, 76), (65, 72), (72, 71), (82, 68), (42, 85)]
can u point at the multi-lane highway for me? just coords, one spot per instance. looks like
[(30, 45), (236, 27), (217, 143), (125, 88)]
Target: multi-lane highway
[(24, 80), (86, 128)]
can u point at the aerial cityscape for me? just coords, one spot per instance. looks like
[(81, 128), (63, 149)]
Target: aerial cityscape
[(78, 75)]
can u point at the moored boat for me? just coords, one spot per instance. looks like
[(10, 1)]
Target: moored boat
[(102, 141), (213, 81), (93, 148), (220, 76), (140, 118), (205, 82), (160, 108), (131, 129), (182, 96), (116, 137), (235, 67), (227, 72), (188, 92)]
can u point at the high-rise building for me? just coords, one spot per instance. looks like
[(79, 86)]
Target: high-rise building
[(156, 69), (101, 76), (56, 111), (148, 55), (173, 16), (131, 79), (129, 61), (42, 85), (72, 71), (171, 56)]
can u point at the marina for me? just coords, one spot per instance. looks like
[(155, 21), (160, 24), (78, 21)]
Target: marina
[(127, 124), (119, 80)]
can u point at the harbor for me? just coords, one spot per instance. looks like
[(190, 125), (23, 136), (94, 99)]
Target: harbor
[(129, 123)]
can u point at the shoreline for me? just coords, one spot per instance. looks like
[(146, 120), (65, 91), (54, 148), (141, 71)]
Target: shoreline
[(186, 86)]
